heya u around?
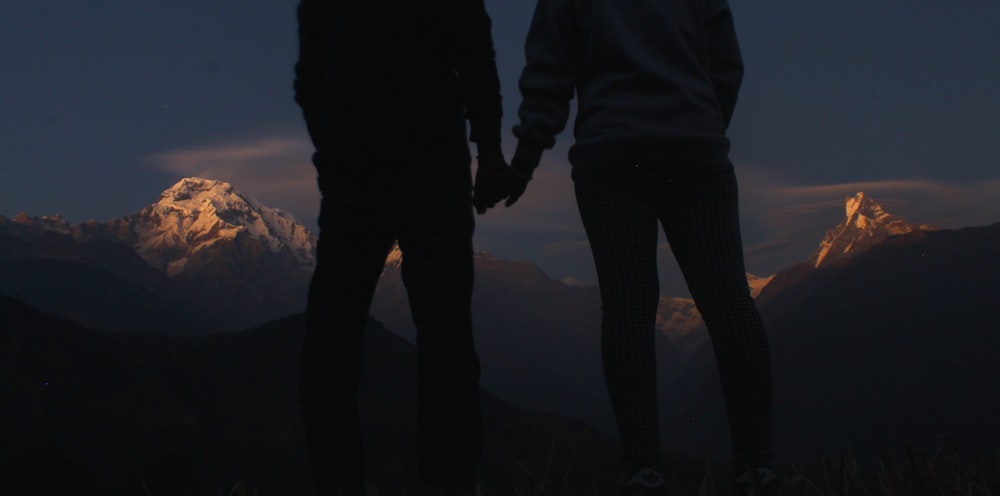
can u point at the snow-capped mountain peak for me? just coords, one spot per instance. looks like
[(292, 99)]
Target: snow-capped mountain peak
[(196, 213), (862, 209), (757, 283), (865, 224), (395, 258), (46, 222)]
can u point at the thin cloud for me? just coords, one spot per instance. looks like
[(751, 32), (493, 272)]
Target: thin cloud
[(274, 169), (948, 204), (784, 222)]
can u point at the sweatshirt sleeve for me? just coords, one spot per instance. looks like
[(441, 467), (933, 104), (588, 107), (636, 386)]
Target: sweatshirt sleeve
[(308, 72), (725, 61), (547, 82), (475, 61)]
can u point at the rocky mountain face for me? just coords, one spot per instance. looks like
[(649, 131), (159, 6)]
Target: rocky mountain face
[(193, 216), (865, 225), (190, 217)]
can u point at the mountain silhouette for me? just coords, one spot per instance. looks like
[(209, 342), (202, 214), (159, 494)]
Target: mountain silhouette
[(894, 346), (102, 283), (539, 339), (202, 413)]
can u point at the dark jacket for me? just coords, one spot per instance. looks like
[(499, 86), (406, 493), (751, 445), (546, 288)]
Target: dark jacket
[(389, 84), (649, 75)]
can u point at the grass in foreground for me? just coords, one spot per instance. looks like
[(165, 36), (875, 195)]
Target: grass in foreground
[(942, 473)]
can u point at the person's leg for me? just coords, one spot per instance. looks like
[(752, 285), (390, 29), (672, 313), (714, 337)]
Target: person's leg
[(353, 244), (437, 269), (620, 220), (701, 218)]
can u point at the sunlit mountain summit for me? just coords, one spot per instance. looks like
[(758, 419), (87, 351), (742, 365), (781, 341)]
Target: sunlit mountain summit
[(195, 214), (225, 258), (865, 225)]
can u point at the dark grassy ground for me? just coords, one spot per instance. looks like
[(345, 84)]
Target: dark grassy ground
[(941, 473)]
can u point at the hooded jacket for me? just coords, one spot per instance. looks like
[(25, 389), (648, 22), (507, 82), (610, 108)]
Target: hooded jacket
[(650, 76), (391, 83)]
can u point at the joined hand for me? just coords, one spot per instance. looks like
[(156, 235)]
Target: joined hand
[(495, 180)]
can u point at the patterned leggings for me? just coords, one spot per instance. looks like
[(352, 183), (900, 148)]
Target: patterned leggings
[(700, 216)]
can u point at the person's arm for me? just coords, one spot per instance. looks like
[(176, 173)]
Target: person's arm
[(308, 70), (547, 85), (547, 82), (475, 61), (725, 61)]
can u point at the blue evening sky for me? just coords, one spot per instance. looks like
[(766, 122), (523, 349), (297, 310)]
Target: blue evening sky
[(105, 104)]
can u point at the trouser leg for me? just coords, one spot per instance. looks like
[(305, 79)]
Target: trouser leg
[(437, 269), (351, 253), (701, 218), (620, 220)]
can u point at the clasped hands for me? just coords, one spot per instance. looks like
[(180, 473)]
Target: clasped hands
[(495, 180)]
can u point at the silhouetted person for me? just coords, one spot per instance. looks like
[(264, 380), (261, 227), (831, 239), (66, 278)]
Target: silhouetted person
[(656, 84), (386, 87)]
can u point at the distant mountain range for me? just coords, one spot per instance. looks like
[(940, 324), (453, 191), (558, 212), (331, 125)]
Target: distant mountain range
[(206, 258)]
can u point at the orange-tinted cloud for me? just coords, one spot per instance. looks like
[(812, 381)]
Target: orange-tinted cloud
[(784, 221), (274, 169)]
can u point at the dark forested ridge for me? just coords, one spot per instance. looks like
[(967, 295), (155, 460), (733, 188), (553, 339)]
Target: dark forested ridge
[(117, 410), (896, 346)]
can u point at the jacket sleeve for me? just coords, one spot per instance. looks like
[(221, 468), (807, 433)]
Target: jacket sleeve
[(725, 61), (308, 71), (475, 63), (547, 82)]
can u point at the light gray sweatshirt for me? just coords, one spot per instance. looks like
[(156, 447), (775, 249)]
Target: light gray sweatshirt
[(643, 71)]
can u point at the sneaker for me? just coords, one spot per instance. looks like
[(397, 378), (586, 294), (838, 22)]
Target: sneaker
[(645, 482), (759, 482)]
